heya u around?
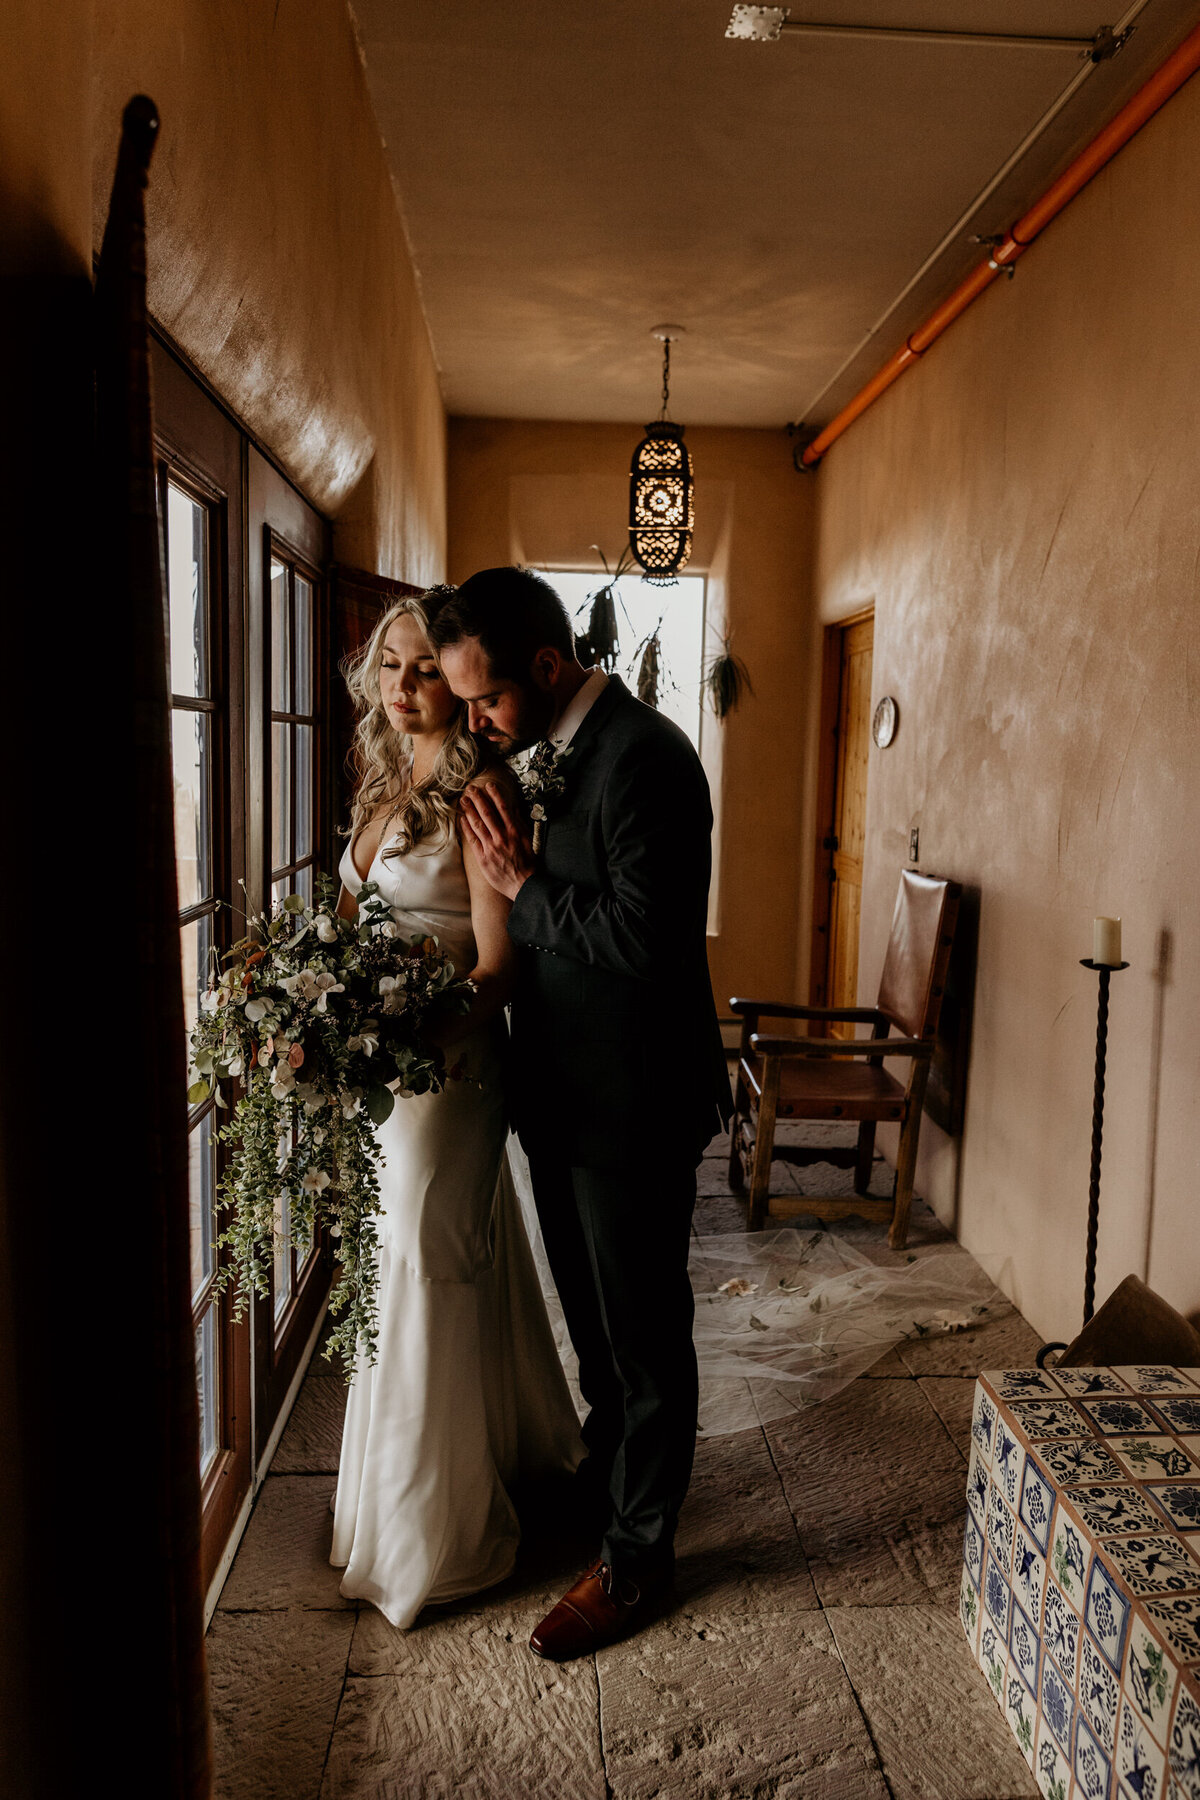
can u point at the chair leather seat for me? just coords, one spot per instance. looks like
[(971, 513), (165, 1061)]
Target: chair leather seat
[(824, 1089)]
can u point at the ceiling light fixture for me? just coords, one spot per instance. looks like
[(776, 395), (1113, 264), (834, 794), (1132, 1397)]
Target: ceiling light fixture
[(764, 24), (661, 512)]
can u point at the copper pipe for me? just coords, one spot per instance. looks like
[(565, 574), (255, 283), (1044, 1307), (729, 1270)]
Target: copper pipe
[(1165, 81)]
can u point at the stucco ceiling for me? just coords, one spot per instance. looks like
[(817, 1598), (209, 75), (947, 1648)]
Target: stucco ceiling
[(573, 172)]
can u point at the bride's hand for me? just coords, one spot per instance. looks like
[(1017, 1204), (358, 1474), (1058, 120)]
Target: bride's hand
[(497, 837)]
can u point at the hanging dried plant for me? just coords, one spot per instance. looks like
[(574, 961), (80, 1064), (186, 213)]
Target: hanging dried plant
[(726, 681), (599, 643), (648, 671)]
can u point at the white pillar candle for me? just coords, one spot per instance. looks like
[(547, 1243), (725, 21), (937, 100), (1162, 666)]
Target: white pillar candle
[(1106, 941)]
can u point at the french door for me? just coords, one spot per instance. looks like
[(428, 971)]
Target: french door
[(290, 837), (201, 512), (247, 616)]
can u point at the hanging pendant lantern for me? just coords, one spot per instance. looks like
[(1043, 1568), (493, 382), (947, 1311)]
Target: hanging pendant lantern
[(661, 509)]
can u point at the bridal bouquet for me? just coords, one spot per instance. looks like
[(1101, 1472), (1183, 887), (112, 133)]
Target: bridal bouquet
[(321, 1018)]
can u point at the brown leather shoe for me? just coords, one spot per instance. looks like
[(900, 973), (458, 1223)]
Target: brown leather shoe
[(598, 1610)]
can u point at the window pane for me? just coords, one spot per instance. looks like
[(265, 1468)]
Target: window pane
[(281, 641), (304, 1249), (206, 1387), (281, 790), (193, 825), (305, 798), (303, 646), (195, 940), (678, 614), (302, 883), (283, 1253), (200, 1199), (187, 591)]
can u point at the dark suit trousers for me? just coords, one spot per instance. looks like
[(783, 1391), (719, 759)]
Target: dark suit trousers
[(618, 1250)]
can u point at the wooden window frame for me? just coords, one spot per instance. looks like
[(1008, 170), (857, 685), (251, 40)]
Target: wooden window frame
[(227, 1479)]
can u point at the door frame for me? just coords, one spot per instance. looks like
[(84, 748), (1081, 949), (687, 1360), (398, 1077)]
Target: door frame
[(825, 816)]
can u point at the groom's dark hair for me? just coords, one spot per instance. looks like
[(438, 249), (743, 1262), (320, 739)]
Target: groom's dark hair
[(513, 613)]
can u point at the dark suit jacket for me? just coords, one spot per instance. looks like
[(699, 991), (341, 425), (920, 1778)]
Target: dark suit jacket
[(616, 1048)]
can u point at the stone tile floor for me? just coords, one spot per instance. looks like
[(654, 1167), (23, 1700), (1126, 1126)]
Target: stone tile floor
[(813, 1649)]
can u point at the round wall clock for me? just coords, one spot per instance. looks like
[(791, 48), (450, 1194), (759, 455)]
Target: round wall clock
[(883, 725)]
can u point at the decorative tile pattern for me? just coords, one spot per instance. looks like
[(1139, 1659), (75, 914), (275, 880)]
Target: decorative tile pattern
[(1183, 1752), (1154, 1565), (1007, 1461), (968, 1610), (1037, 1503), (996, 1597), (1180, 1501), (1179, 1618), (1181, 1414), (1026, 1651), (1028, 1576), (1080, 1593), (983, 1422), (1090, 1381), (1083, 1459), (1092, 1767), (1098, 1694), (973, 1551), (1151, 1680), (1115, 1415), (1051, 1769), (1106, 1612), (1147, 1457), (1110, 1511), (1022, 1384), (977, 1483), (1050, 1419), (1060, 1633), (1158, 1380), (1000, 1529), (1141, 1765)]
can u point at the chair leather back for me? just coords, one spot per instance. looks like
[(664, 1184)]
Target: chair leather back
[(918, 953)]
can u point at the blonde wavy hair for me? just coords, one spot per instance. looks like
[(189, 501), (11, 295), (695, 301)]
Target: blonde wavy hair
[(379, 754)]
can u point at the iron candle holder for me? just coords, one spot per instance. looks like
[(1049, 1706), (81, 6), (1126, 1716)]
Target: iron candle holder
[(1105, 972)]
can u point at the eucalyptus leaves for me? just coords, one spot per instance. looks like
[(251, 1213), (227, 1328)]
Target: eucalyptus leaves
[(321, 1019)]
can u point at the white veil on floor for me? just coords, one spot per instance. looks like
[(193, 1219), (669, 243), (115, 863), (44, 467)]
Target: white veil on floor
[(786, 1318)]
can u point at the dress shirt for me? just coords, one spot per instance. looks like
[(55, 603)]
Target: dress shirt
[(578, 709)]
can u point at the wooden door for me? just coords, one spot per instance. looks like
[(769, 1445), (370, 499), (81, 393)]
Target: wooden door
[(849, 813), (290, 836), (200, 477)]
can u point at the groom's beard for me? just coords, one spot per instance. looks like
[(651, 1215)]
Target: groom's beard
[(528, 724)]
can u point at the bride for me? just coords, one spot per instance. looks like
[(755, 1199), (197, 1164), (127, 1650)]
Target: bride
[(467, 1395)]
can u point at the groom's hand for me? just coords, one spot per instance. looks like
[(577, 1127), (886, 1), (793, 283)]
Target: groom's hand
[(498, 838)]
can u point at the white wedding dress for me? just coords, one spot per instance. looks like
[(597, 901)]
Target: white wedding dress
[(467, 1394)]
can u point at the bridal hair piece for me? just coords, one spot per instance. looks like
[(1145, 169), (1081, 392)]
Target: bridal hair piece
[(380, 755)]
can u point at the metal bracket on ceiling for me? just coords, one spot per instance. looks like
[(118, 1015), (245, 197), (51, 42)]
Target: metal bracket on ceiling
[(992, 241), (802, 436), (1108, 43)]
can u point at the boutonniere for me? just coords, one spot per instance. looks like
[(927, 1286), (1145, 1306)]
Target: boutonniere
[(542, 780)]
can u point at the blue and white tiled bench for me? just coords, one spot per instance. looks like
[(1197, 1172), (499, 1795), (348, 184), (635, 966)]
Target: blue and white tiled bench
[(1081, 1581)]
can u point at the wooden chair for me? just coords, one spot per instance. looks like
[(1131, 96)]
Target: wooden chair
[(844, 1078)]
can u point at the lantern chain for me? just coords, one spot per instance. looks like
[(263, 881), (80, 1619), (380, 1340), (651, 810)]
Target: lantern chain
[(666, 391)]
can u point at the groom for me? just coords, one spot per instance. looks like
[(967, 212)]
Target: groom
[(620, 1078)]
